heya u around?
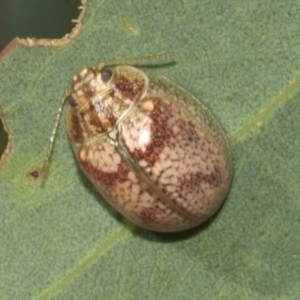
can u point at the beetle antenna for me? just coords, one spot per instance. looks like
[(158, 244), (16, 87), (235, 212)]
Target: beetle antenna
[(43, 171), (133, 60)]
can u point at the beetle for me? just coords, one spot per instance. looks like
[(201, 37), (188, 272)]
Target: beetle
[(154, 151)]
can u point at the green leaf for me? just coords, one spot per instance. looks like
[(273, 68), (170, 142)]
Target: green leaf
[(61, 240)]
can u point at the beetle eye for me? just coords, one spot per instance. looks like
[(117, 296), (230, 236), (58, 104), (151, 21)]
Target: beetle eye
[(106, 75), (72, 102)]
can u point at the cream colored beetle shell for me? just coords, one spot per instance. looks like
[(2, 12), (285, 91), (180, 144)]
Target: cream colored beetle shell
[(154, 151)]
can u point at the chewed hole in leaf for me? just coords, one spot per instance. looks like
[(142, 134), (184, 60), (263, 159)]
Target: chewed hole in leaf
[(38, 19), (3, 138)]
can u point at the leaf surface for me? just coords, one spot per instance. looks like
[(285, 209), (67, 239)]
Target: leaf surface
[(62, 241)]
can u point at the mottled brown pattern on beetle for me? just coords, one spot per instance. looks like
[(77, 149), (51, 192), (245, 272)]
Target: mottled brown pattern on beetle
[(160, 134), (191, 183), (129, 88), (76, 128), (94, 118), (88, 90), (85, 126), (191, 129), (107, 179), (110, 115), (148, 215)]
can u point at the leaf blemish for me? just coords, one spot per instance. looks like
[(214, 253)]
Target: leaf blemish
[(37, 174), (34, 174), (129, 26)]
